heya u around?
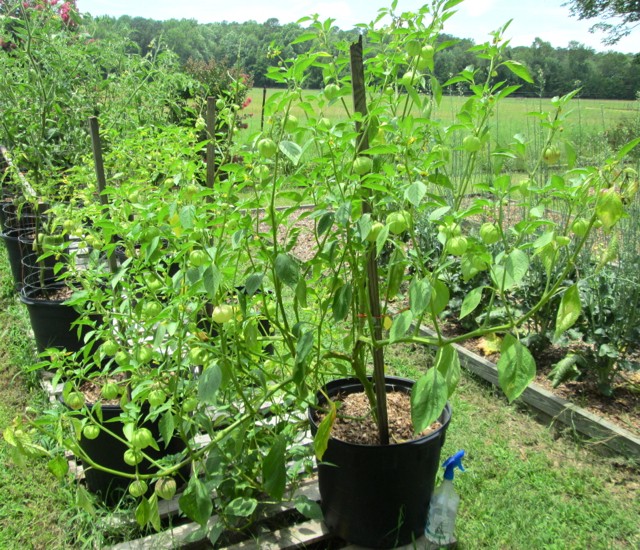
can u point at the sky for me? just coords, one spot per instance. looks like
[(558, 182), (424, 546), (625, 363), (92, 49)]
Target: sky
[(546, 19)]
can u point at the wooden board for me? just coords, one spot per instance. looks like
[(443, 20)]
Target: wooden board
[(560, 410)]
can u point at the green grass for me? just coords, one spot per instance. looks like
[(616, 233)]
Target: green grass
[(525, 487), (32, 503)]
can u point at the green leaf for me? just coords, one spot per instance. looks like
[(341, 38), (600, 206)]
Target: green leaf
[(519, 70), (84, 500), (609, 208), (287, 269), (569, 310), (325, 223), (253, 283), (209, 384), (419, 295), (242, 507), (154, 512), (439, 297), (274, 470), (512, 272), (341, 302), (471, 301), (428, 399), (401, 324), (304, 346), (301, 292), (321, 440), (167, 426), (143, 512), (187, 216), (516, 367), (308, 508), (195, 502), (627, 148), (415, 193), (211, 279), (381, 239), (292, 151), (448, 365), (58, 466)]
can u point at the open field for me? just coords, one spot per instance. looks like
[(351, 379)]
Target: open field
[(587, 121)]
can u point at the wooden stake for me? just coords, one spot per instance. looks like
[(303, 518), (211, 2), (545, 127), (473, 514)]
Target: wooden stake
[(360, 106), (94, 130), (211, 146), (264, 100)]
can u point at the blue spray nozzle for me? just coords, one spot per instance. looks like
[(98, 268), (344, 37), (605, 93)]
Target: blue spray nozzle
[(452, 463)]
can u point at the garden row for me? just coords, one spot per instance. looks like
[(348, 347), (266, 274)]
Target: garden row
[(177, 312)]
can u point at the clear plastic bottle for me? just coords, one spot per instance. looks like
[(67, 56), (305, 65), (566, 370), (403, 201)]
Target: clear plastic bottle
[(443, 507)]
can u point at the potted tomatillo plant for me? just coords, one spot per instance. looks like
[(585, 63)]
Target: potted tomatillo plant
[(381, 174)]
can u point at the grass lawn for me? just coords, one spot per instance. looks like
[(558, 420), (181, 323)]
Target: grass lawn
[(524, 487)]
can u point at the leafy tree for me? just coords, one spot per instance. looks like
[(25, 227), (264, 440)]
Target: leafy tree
[(627, 11)]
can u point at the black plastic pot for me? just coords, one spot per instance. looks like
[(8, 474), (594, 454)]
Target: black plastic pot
[(11, 238), (108, 451), (51, 320), (378, 495)]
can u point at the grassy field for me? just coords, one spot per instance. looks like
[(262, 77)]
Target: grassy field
[(588, 119), (524, 487)]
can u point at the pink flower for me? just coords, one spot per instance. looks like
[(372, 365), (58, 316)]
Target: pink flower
[(246, 102)]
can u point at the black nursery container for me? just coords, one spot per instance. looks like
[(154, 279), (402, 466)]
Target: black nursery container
[(378, 496), (51, 320), (108, 451), (11, 238)]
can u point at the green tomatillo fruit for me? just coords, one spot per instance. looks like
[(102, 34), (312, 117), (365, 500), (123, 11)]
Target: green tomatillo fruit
[(579, 227), (132, 457), (291, 123), (398, 221), (376, 227), (138, 488), (489, 233), (267, 148), (471, 144), (109, 391), (331, 91), (91, 431), (110, 347), (156, 398), (362, 165), (142, 438), (222, 313), (165, 488), (75, 400), (551, 154), (458, 245), (198, 258)]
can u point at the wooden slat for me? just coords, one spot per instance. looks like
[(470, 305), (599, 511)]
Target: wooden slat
[(559, 409), (296, 536)]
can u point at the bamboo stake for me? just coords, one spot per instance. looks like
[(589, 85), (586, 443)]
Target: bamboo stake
[(360, 106), (96, 145)]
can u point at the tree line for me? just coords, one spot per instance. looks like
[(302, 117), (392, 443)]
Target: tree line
[(253, 47)]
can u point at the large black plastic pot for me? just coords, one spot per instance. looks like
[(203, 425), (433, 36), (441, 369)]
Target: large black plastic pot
[(108, 452), (51, 320), (377, 495)]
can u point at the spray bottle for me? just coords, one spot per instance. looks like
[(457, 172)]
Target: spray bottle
[(444, 506)]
